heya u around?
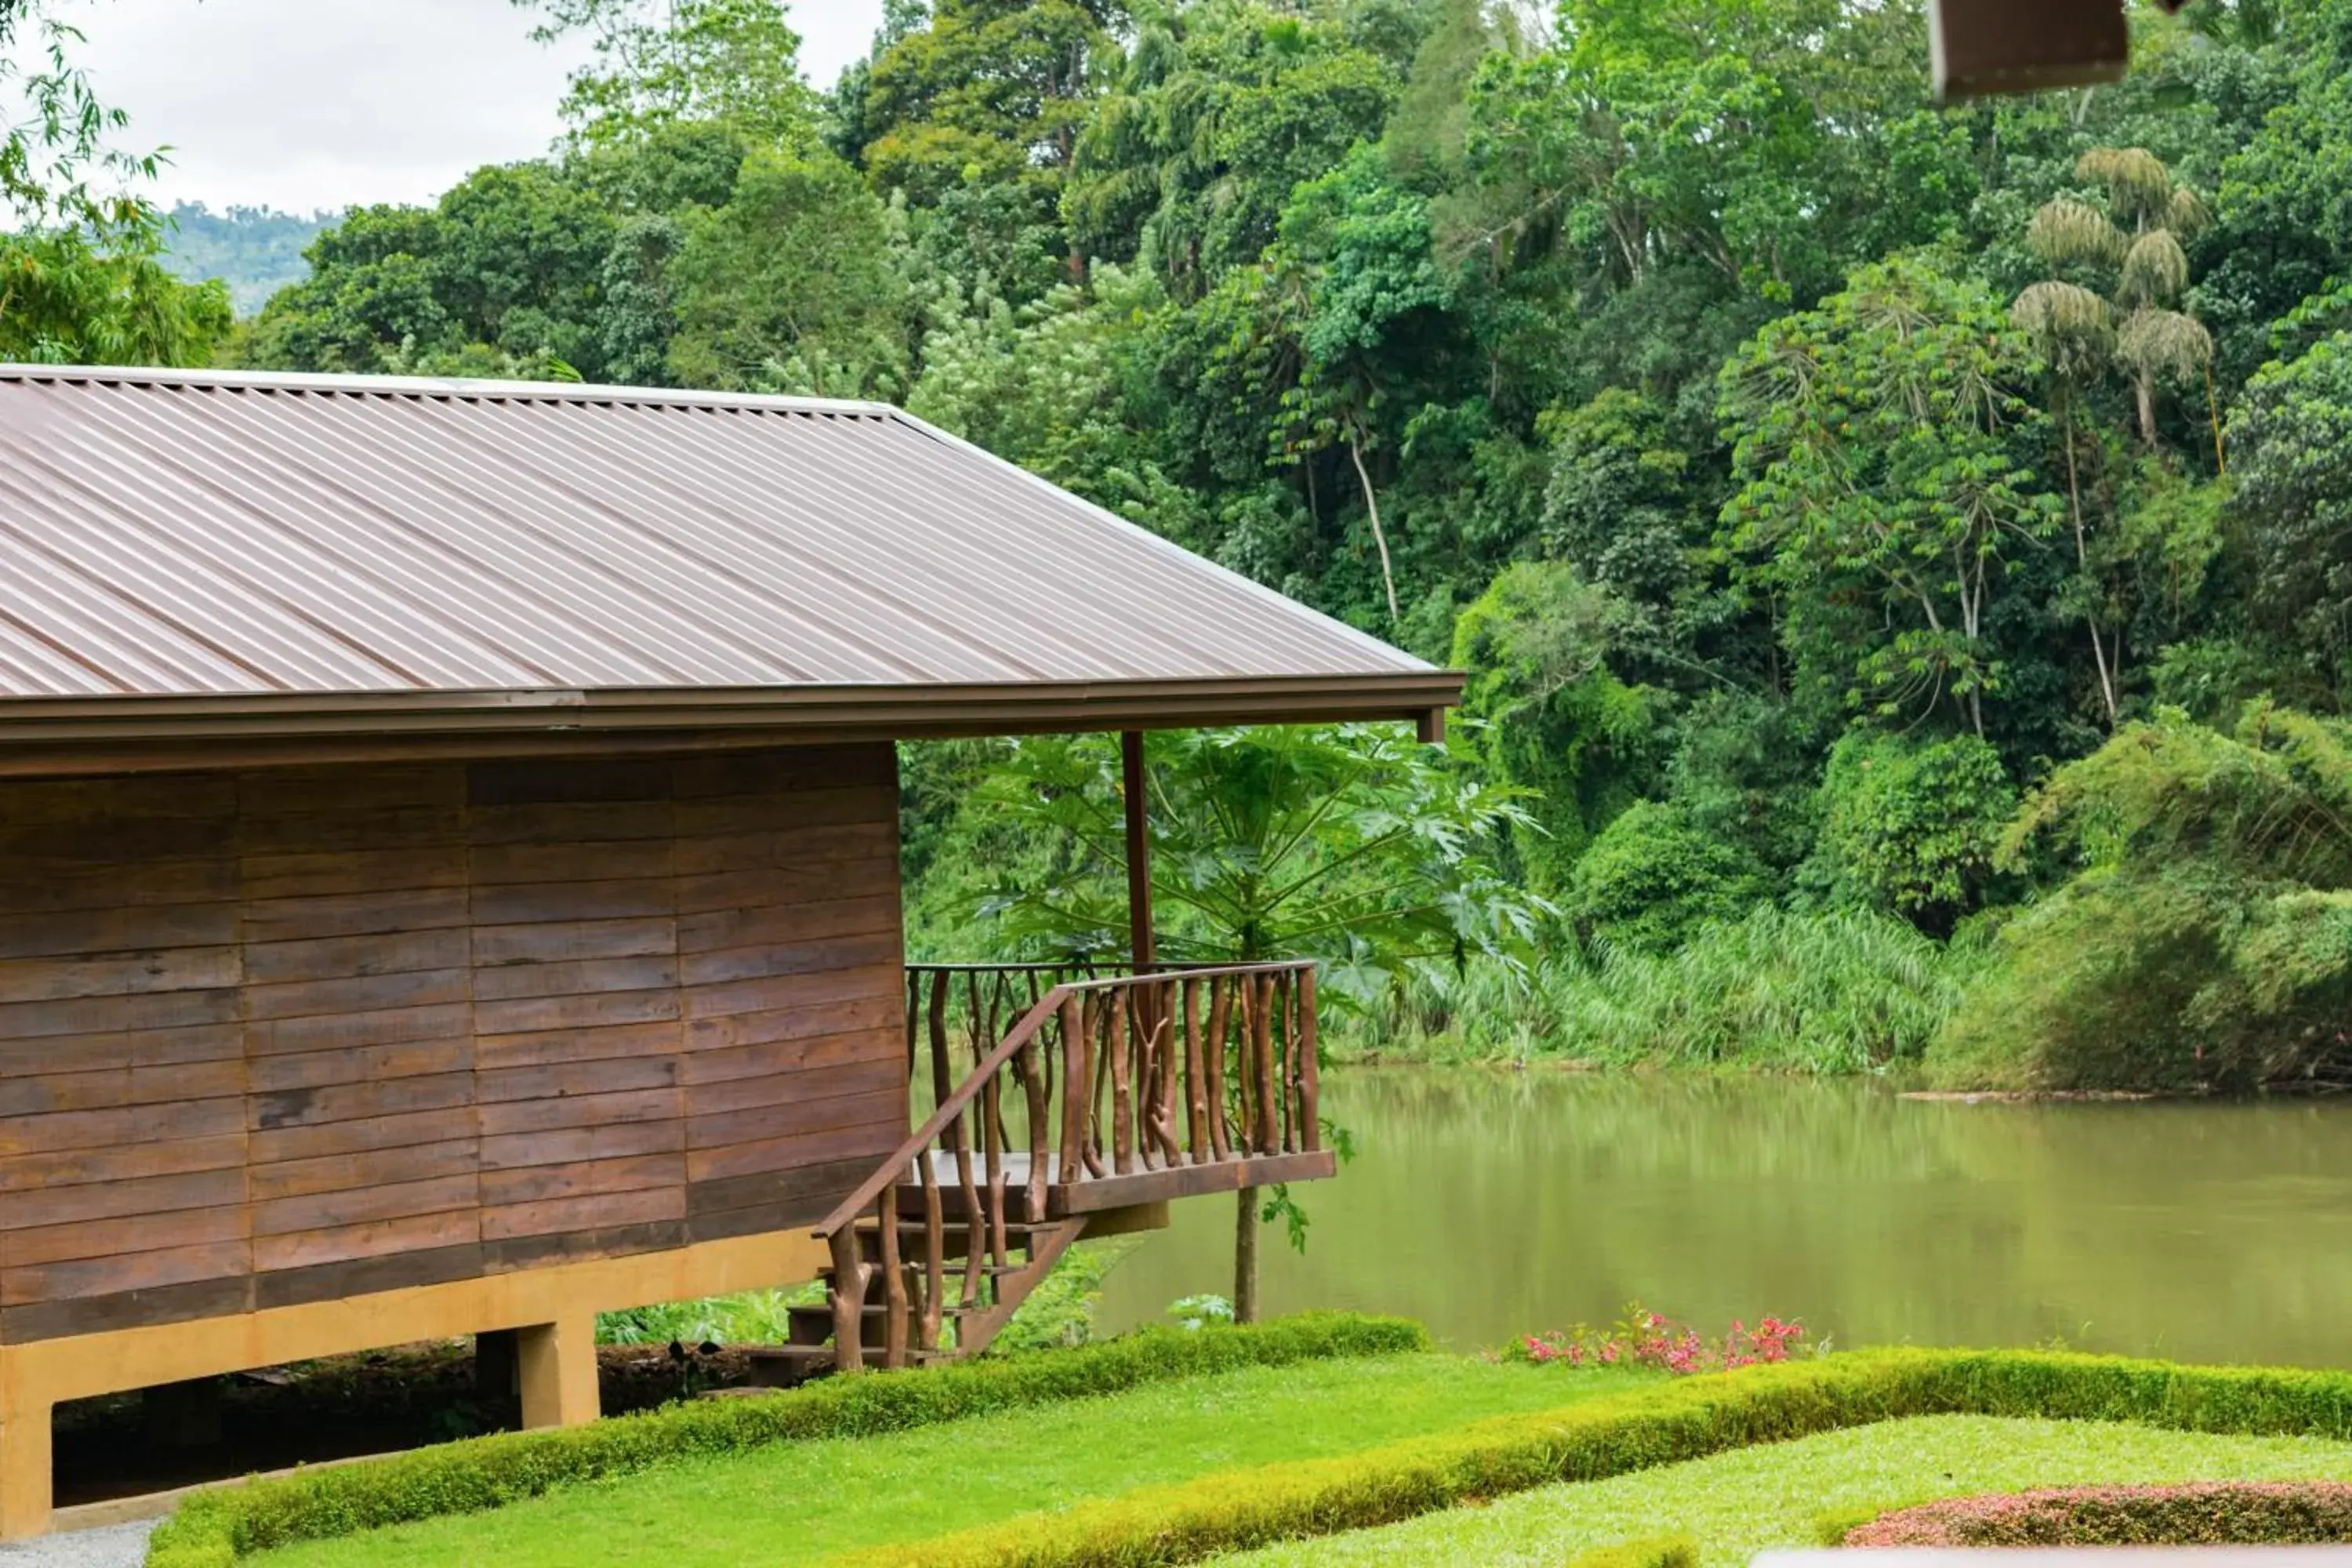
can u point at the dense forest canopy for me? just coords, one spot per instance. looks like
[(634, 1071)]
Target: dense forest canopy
[(1805, 475)]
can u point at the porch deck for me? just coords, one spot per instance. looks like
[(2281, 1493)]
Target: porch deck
[(1153, 1183)]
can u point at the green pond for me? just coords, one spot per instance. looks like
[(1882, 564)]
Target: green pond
[(1487, 1203)]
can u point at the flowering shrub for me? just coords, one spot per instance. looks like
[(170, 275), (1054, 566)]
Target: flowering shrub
[(2217, 1513), (1643, 1338)]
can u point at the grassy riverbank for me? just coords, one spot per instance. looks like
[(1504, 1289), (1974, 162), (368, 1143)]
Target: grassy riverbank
[(1839, 993)]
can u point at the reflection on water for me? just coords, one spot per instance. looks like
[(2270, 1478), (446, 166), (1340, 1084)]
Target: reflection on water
[(1490, 1203)]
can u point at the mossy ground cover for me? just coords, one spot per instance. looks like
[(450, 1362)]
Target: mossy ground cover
[(1776, 1495), (800, 1503)]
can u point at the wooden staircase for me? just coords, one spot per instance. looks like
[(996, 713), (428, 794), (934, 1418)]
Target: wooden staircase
[(972, 1307), (1103, 1101)]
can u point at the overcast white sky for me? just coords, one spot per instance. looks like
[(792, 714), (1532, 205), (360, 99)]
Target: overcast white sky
[(302, 104)]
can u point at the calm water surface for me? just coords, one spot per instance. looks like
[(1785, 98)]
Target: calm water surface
[(1488, 1203)]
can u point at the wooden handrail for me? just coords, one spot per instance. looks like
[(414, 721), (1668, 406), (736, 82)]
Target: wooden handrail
[(1158, 1094), (1117, 970), (918, 1142), (1190, 972), (1042, 966)]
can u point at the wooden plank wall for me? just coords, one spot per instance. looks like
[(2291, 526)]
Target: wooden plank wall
[(286, 1036)]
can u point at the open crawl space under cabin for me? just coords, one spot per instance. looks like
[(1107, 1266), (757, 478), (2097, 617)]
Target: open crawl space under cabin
[(449, 878)]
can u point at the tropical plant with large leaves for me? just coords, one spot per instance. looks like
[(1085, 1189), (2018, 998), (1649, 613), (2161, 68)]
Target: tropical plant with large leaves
[(1350, 844)]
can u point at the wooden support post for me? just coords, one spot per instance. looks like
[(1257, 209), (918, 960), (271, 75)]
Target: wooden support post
[(894, 1283), (1310, 1093), (848, 1292), (1245, 1223), (558, 1365), (25, 1471), (1142, 947)]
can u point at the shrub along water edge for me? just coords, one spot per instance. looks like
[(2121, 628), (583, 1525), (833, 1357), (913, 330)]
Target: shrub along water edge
[(1838, 993), (213, 1528), (1686, 1419)]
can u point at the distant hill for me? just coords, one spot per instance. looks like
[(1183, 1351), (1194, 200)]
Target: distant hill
[(256, 250)]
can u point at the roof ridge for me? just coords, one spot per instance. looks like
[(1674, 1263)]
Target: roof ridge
[(451, 388)]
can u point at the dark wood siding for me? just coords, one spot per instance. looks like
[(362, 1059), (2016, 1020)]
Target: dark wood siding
[(285, 1035)]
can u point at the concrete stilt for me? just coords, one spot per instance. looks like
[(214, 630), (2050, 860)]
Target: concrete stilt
[(25, 1471), (559, 1371)]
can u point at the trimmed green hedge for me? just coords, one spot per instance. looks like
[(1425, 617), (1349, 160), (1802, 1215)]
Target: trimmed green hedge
[(1686, 1419), (213, 1528), (1651, 1551)]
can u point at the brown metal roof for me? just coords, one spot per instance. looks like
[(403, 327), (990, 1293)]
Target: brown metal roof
[(197, 553)]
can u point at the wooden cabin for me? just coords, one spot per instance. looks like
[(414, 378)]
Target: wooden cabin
[(449, 878)]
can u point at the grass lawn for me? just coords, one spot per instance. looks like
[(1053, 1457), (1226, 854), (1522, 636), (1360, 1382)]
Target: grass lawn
[(1738, 1503), (800, 1503)]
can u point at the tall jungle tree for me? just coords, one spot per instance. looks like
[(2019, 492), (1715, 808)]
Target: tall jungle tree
[(2135, 248), (670, 62), (1882, 448), (83, 279)]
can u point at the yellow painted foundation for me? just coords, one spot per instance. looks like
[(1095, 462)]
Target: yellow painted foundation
[(555, 1307)]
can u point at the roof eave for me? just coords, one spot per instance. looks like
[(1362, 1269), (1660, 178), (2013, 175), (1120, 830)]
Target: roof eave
[(84, 736), (468, 388)]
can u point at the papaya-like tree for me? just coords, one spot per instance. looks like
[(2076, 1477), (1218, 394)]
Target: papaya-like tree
[(1349, 844)]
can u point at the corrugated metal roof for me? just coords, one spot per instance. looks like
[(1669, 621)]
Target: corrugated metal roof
[(171, 534)]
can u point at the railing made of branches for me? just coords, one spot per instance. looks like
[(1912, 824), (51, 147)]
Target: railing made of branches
[(1044, 1077)]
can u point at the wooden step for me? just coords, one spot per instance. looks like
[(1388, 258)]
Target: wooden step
[(954, 1270), (872, 1309), (915, 1224)]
